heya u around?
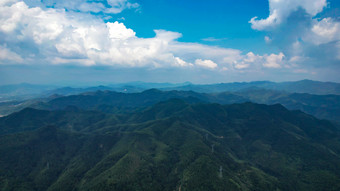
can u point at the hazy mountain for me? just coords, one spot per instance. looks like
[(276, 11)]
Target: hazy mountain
[(172, 145), (109, 101), (22, 91), (304, 86), (321, 106)]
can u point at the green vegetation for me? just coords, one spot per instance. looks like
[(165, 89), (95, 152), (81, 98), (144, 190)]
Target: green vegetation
[(172, 145)]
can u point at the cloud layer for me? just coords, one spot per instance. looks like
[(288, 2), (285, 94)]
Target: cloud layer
[(71, 33), (36, 35), (280, 10), (90, 6), (306, 40)]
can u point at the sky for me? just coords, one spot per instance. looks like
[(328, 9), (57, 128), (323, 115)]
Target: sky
[(201, 41)]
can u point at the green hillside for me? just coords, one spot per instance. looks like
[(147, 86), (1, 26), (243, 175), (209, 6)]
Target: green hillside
[(172, 145)]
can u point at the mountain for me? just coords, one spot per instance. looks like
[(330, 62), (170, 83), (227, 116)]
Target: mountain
[(170, 145), (72, 119), (19, 92), (303, 86), (73, 91), (130, 87), (321, 106), (22, 91), (108, 101)]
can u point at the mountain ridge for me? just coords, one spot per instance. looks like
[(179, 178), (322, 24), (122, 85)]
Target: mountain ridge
[(174, 144)]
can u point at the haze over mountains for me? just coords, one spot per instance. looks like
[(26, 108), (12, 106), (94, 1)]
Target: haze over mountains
[(22, 91), (324, 103)]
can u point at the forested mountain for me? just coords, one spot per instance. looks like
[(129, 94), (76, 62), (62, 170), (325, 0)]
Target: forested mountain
[(171, 145), (321, 106)]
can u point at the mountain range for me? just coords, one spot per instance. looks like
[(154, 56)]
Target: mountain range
[(321, 106), (28, 91), (172, 140)]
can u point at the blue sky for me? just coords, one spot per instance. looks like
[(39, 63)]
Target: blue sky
[(226, 20), (114, 41)]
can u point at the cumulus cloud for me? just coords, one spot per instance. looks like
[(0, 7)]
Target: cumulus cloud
[(54, 36), (119, 31), (181, 62), (251, 57), (273, 60), (254, 61), (280, 10), (206, 63), (60, 37), (324, 31), (242, 65), (307, 42)]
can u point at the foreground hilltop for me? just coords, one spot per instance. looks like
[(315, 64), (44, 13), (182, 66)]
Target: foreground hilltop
[(171, 145)]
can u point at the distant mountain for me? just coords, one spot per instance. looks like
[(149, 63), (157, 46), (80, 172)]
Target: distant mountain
[(171, 145), (108, 101), (321, 106), (149, 85), (72, 91), (22, 91), (131, 87), (304, 86)]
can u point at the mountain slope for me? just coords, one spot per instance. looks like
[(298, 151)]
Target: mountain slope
[(175, 145)]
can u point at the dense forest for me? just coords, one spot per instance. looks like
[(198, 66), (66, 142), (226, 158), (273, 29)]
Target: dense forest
[(173, 140)]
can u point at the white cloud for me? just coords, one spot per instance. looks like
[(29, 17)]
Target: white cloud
[(119, 31), (91, 6), (118, 6), (7, 55), (82, 62), (324, 31), (181, 62), (280, 10), (241, 65), (274, 60), (267, 39), (251, 57), (296, 59), (193, 51), (56, 36), (206, 63), (61, 36), (304, 39), (256, 62)]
